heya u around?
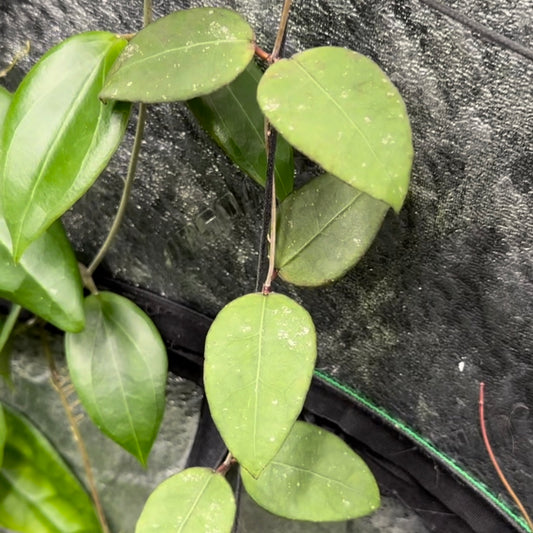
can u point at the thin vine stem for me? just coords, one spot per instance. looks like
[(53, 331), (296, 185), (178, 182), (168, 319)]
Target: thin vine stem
[(271, 135), (58, 383), (132, 167), (226, 464), (9, 324), (494, 461)]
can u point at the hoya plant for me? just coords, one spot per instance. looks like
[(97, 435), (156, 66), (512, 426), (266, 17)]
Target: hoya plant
[(58, 132)]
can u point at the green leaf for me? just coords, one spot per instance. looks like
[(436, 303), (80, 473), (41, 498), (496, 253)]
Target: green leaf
[(316, 477), (57, 135), (5, 100), (3, 434), (259, 358), (324, 228), (185, 54), (46, 280), (232, 117), (192, 501), (118, 366), (38, 493), (340, 109)]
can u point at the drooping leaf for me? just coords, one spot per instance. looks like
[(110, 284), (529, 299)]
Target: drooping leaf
[(183, 55), (38, 493), (316, 477), (232, 117), (340, 109), (192, 501), (47, 280), (324, 228), (3, 434), (259, 358), (118, 366), (57, 135)]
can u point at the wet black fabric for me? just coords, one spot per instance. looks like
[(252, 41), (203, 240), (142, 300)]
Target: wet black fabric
[(443, 298)]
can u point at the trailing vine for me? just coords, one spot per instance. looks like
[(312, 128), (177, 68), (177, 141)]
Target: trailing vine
[(335, 106)]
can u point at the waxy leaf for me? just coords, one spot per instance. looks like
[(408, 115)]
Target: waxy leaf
[(324, 228), (38, 493), (185, 54), (340, 109), (259, 358), (192, 501), (46, 280), (316, 477), (118, 366), (232, 117), (57, 135)]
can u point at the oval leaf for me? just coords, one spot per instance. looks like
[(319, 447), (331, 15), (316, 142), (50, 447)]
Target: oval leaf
[(194, 500), (324, 228), (118, 366), (316, 477), (185, 54), (57, 135), (46, 281), (340, 109), (259, 358), (38, 493), (231, 116)]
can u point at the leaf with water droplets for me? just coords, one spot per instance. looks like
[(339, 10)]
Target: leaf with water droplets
[(193, 501), (324, 228), (183, 55), (340, 109), (315, 476), (259, 358)]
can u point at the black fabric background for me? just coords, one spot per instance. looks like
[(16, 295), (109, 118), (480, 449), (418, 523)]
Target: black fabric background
[(447, 282)]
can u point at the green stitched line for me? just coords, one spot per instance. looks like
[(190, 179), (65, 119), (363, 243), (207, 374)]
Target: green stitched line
[(427, 445)]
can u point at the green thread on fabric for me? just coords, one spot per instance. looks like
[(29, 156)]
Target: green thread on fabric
[(426, 445)]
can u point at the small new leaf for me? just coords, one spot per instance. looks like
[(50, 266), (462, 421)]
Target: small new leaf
[(38, 492), (57, 135), (324, 228), (186, 54), (118, 366), (232, 117), (316, 477), (194, 500), (259, 358), (340, 109)]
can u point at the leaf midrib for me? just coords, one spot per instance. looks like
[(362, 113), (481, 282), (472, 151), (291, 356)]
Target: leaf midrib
[(135, 62), (65, 124), (346, 116), (258, 372), (322, 229)]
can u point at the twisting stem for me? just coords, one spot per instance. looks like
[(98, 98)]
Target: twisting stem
[(9, 324), (58, 385), (132, 167), (502, 477)]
